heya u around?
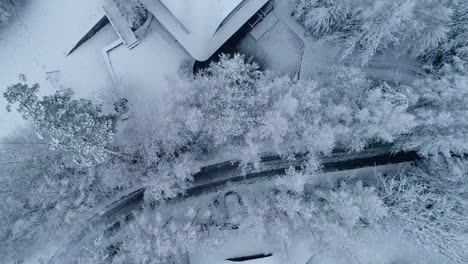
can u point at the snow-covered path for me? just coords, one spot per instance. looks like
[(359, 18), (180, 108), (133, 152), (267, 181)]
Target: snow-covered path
[(214, 177)]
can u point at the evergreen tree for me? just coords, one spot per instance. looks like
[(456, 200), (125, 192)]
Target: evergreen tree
[(367, 27), (440, 105), (427, 205), (234, 106), (8, 8), (76, 126), (44, 192), (458, 36)]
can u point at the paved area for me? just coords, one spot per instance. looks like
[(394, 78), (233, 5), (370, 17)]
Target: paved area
[(319, 55), (261, 28), (279, 49)]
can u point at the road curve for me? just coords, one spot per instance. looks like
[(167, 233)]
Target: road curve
[(213, 177)]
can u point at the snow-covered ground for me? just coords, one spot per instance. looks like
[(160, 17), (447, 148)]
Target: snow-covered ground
[(148, 70), (278, 50), (285, 48), (297, 250), (238, 244), (37, 41), (320, 55), (36, 44)]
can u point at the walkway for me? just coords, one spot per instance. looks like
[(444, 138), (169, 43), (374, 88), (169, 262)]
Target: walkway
[(319, 55)]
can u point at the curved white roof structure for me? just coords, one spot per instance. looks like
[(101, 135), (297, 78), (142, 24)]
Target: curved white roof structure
[(203, 26)]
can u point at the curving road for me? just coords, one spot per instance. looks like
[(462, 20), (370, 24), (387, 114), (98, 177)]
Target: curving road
[(214, 177)]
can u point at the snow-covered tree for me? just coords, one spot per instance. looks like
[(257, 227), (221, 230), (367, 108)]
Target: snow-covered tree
[(155, 239), (457, 44), (368, 27), (428, 204), (39, 191), (44, 192), (324, 17), (133, 11), (8, 9), (425, 205), (329, 217), (226, 95), (363, 111), (282, 112), (233, 106), (77, 126), (440, 106)]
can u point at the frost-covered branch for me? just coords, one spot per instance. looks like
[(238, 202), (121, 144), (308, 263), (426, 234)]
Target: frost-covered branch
[(77, 126), (368, 27)]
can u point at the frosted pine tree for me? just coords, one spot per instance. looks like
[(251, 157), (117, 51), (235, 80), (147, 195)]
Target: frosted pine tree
[(440, 107), (8, 8), (427, 206), (75, 126), (458, 37), (368, 27)]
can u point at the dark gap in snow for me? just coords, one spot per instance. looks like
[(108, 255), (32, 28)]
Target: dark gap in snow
[(247, 258), (231, 46), (95, 29)]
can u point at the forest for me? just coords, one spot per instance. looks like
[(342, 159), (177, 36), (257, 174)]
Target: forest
[(76, 153)]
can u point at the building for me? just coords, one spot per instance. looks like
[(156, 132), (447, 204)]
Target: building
[(144, 60), (201, 27)]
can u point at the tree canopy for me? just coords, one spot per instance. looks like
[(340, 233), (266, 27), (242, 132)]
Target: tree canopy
[(77, 126)]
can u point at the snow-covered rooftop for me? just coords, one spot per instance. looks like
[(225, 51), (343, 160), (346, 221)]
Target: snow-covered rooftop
[(201, 16), (203, 26)]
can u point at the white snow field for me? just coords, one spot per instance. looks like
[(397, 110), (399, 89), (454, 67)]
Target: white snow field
[(37, 41), (265, 50), (238, 245), (150, 68)]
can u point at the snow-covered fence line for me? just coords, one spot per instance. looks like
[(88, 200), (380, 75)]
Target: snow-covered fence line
[(214, 177)]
